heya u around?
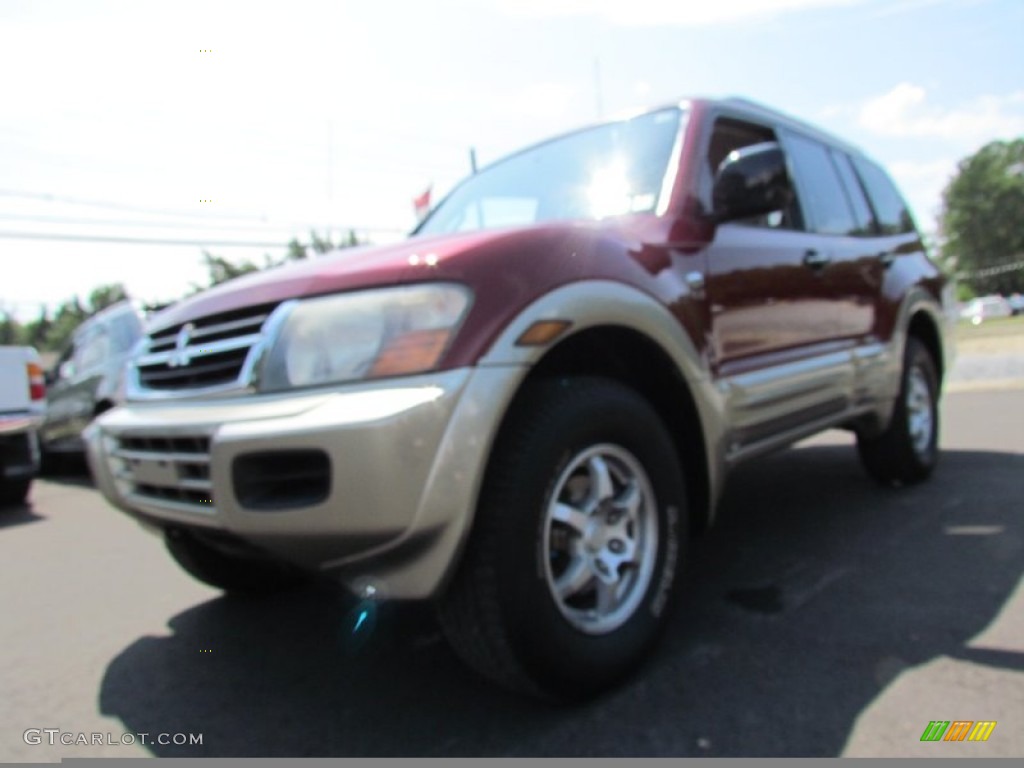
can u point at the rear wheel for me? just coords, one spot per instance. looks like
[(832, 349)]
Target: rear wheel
[(908, 450), (229, 572), (572, 561)]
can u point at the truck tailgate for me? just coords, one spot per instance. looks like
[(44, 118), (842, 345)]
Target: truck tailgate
[(14, 395)]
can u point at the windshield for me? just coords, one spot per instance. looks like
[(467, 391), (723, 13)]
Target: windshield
[(608, 170)]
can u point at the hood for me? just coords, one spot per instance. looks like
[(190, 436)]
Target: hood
[(511, 264), (341, 270)]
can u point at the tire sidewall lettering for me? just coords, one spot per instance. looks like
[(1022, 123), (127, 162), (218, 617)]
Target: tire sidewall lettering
[(670, 560)]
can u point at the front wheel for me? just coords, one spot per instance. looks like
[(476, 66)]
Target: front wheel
[(908, 450), (572, 561)]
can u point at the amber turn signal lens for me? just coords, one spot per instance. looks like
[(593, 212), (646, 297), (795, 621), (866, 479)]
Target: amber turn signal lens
[(410, 353), (542, 332)]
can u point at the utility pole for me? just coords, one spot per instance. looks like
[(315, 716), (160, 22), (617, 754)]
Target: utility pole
[(472, 159), (330, 161)]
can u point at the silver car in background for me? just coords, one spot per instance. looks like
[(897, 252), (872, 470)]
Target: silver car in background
[(88, 378), (985, 308)]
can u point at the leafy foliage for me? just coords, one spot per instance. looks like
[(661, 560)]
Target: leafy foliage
[(53, 332), (48, 333), (220, 270), (982, 218)]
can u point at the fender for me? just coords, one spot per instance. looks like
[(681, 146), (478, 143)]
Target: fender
[(604, 303)]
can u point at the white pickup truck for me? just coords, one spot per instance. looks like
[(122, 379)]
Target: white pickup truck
[(22, 405)]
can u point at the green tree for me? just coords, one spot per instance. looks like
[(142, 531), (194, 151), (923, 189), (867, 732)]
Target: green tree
[(982, 218), (296, 252), (69, 315), (320, 245), (10, 330), (106, 295), (220, 270), (54, 335), (34, 332)]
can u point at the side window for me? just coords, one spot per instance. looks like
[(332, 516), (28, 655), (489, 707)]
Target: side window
[(64, 368), (727, 135), (94, 349), (818, 180), (891, 212), (855, 194), (124, 331)]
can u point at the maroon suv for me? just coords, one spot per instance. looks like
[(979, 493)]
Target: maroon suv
[(523, 411)]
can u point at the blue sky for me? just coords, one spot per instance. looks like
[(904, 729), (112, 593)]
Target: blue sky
[(336, 114)]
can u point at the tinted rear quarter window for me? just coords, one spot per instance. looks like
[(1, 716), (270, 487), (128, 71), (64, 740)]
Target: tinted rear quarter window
[(820, 186), (855, 193), (891, 212)]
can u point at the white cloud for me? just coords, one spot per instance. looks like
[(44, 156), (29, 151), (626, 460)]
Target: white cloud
[(661, 12), (905, 111)]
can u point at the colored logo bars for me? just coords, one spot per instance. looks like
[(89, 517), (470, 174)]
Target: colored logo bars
[(958, 730)]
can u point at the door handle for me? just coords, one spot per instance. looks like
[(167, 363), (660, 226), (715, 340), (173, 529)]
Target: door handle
[(886, 258), (815, 259)]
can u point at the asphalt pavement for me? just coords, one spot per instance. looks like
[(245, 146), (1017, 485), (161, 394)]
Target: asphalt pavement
[(823, 616)]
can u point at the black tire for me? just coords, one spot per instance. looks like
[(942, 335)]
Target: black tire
[(52, 463), (500, 613), (15, 492), (908, 450), (230, 573)]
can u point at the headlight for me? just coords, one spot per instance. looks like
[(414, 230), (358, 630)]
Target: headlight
[(364, 335)]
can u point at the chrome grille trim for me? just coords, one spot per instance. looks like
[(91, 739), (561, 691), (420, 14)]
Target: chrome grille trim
[(218, 355), (167, 472), (195, 351), (165, 339)]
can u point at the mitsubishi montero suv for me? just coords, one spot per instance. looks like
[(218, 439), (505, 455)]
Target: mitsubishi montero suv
[(522, 412)]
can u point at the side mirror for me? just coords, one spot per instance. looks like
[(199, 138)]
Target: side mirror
[(750, 182), (66, 370)]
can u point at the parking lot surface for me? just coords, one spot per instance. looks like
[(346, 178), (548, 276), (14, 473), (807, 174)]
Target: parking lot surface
[(823, 616)]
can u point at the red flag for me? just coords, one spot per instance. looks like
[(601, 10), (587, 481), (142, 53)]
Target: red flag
[(421, 204)]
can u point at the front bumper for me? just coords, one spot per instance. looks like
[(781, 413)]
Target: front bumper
[(404, 457)]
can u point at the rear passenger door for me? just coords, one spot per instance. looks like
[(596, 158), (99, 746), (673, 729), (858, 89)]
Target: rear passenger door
[(895, 237), (837, 211)]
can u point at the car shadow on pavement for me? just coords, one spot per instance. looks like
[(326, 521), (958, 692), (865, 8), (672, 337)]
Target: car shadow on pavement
[(18, 514), (813, 592), (68, 469)]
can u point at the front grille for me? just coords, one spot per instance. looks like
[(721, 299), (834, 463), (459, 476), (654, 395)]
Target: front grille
[(163, 469), (207, 352)]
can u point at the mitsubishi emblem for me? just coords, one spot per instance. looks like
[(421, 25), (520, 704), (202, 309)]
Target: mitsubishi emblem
[(180, 357)]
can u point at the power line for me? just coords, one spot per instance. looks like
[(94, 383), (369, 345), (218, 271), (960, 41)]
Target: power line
[(8, 235), (141, 240), (122, 206), (209, 216), (997, 270), (291, 226)]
